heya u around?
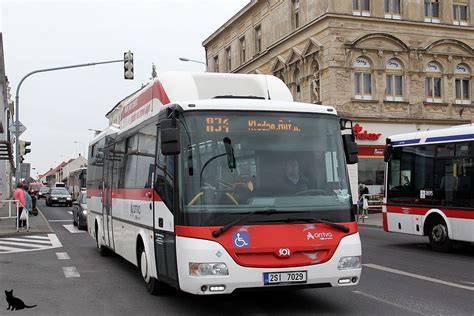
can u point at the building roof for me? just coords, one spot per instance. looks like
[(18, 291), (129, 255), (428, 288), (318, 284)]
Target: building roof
[(230, 21)]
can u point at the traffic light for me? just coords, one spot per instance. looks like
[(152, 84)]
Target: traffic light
[(128, 65), (23, 147)]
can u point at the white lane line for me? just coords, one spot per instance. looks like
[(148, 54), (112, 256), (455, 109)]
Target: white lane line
[(387, 302), (55, 241), (36, 237), (71, 272), (15, 243), (70, 212), (417, 276), (59, 220), (73, 229), (31, 241), (4, 248), (62, 256), (468, 282)]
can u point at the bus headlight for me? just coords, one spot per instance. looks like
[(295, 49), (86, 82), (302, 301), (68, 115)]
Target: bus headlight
[(346, 263), (207, 268)]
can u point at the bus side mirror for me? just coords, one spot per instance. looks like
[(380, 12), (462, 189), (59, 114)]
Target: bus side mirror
[(350, 149), (387, 153), (169, 136)]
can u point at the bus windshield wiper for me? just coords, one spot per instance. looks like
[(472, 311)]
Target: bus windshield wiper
[(269, 211), (311, 220)]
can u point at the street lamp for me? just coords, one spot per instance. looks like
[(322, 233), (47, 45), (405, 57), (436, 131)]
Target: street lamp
[(194, 61), (84, 147)]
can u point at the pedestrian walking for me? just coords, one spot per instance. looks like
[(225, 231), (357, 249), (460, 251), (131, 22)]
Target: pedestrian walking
[(20, 200), (28, 199), (362, 204)]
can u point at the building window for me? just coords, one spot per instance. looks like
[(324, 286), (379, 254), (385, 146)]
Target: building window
[(228, 55), (361, 7), (216, 64), (392, 9), (462, 82), (460, 14), (242, 49), (296, 14), (432, 11), (362, 79), (394, 84), (433, 82), (297, 80), (258, 39)]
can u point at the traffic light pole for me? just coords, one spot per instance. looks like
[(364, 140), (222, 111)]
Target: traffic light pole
[(17, 105)]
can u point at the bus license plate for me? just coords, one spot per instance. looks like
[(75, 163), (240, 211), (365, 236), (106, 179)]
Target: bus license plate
[(284, 277)]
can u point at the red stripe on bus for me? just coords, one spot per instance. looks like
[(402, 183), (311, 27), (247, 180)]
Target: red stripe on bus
[(466, 214), (154, 92), (128, 194)]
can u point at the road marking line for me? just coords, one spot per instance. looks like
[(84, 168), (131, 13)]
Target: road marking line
[(71, 272), (15, 243), (417, 276), (62, 255), (59, 220), (31, 241), (36, 237), (73, 229), (55, 241), (70, 212), (4, 248), (387, 302), (468, 282)]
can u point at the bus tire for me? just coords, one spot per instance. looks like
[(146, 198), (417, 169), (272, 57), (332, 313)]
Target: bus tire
[(438, 234), (101, 248), (153, 286)]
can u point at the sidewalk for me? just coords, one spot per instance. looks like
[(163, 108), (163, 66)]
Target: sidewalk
[(38, 224), (373, 220)]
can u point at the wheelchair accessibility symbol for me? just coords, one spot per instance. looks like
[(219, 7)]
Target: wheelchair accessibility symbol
[(241, 240)]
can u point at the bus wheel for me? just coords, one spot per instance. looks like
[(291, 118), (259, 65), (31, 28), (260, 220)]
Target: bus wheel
[(152, 284), (102, 249), (438, 234)]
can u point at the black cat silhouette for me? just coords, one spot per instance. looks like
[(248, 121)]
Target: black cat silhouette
[(14, 302)]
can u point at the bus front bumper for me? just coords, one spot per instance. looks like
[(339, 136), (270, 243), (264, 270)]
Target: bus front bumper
[(191, 250)]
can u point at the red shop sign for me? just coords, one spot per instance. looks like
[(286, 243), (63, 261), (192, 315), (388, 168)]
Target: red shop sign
[(360, 134)]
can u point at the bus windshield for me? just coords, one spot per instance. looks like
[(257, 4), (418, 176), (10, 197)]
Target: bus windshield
[(233, 163)]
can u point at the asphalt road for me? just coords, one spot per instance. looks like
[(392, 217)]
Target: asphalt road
[(401, 276)]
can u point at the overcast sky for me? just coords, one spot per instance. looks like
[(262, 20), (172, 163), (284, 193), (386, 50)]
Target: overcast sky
[(59, 107)]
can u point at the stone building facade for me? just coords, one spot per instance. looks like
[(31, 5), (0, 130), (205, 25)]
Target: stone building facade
[(392, 66)]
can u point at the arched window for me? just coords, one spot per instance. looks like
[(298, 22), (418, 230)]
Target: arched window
[(297, 81), (462, 81), (433, 82), (362, 79), (394, 80)]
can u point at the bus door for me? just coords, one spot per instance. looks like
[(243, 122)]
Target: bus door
[(164, 205), (107, 197)]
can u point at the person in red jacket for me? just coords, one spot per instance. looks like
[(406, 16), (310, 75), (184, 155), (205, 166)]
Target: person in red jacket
[(19, 196)]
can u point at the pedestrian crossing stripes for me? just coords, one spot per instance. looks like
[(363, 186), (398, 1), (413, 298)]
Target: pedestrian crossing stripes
[(29, 243)]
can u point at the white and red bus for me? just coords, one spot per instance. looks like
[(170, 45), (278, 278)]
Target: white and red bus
[(193, 192), (430, 185)]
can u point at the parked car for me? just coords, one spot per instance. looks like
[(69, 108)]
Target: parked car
[(43, 191), (59, 196), (79, 211)]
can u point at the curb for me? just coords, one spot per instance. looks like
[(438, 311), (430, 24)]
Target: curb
[(45, 220)]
